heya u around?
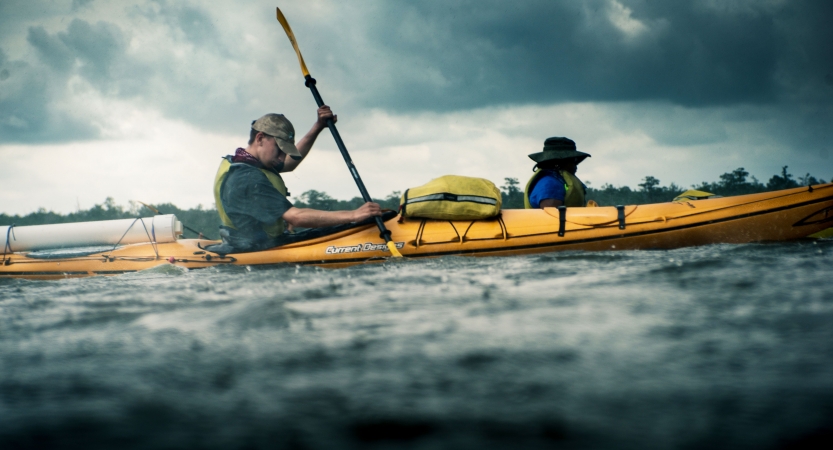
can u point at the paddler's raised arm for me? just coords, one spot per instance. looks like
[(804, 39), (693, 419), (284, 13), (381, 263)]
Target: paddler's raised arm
[(304, 145)]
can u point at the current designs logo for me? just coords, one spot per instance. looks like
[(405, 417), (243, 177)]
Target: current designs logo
[(366, 247)]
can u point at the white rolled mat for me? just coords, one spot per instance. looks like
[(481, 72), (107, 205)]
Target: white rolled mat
[(164, 228)]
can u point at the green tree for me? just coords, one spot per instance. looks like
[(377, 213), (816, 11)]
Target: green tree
[(651, 190), (784, 181), (733, 183), (512, 197), (316, 200), (320, 200), (809, 180), (611, 195), (391, 201)]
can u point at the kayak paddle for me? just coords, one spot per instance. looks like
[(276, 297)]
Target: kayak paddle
[(310, 83)]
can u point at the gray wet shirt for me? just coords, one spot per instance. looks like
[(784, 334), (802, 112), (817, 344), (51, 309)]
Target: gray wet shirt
[(251, 202)]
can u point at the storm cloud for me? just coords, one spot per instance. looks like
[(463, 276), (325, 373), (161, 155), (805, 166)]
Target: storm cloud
[(705, 84), (433, 55), (29, 111), (440, 56), (162, 56)]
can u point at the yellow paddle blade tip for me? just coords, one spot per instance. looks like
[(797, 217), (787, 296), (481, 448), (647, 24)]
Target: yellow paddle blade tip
[(292, 40), (393, 250), (149, 207)]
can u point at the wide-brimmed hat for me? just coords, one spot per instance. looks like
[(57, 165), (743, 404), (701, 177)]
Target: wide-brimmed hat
[(278, 126), (559, 148)]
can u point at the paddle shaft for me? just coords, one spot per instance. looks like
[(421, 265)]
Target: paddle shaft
[(310, 83)]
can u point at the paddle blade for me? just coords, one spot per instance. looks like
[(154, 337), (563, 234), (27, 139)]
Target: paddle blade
[(155, 211), (291, 37), (393, 250)]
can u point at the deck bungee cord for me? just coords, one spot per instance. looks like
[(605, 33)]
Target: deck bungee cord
[(8, 244), (151, 237)]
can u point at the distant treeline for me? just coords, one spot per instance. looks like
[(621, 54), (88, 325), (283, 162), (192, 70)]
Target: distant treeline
[(204, 220), (737, 182)]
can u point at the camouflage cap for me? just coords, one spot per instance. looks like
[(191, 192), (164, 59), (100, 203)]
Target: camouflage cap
[(278, 126), (559, 148)]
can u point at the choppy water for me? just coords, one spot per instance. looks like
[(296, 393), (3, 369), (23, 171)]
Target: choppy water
[(723, 346)]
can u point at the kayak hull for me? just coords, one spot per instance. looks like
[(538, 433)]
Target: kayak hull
[(773, 216)]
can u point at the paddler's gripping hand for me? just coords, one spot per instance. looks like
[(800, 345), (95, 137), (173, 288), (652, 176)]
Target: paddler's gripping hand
[(324, 114), (367, 211)]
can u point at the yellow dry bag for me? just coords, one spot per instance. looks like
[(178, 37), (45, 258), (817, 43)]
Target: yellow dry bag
[(452, 197)]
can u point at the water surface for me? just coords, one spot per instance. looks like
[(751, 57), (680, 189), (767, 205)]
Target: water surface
[(724, 346)]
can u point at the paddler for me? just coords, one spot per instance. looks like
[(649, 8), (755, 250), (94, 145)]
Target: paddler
[(250, 194), (554, 182)]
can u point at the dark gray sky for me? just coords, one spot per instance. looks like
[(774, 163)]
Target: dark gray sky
[(682, 90), (687, 53)]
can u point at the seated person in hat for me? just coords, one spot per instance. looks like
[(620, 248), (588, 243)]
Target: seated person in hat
[(554, 182), (250, 194)]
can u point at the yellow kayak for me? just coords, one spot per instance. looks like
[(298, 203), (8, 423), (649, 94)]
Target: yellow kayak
[(771, 216)]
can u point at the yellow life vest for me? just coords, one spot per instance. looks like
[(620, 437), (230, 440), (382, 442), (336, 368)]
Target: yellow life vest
[(575, 189), (272, 229)]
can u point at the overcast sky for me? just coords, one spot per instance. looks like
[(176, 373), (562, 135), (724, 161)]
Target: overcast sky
[(138, 100)]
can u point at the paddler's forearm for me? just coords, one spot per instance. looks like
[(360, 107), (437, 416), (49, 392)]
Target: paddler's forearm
[(314, 218)]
